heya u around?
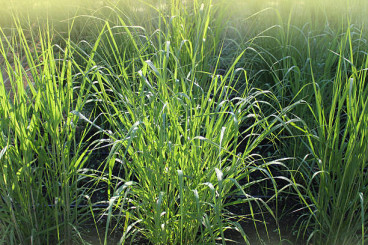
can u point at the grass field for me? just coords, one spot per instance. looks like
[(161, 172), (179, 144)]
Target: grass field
[(184, 122)]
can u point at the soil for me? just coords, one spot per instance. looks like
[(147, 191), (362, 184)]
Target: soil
[(269, 234)]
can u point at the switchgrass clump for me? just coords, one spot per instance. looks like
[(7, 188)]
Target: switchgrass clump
[(40, 157), (174, 130), (336, 189), (320, 59), (174, 153)]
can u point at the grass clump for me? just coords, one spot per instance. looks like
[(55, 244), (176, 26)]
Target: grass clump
[(174, 162), (336, 180), (176, 146), (40, 157)]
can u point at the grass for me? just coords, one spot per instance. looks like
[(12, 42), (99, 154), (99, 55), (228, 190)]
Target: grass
[(173, 123), (338, 154), (40, 155)]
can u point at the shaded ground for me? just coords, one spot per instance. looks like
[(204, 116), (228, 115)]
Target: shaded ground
[(271, 234)]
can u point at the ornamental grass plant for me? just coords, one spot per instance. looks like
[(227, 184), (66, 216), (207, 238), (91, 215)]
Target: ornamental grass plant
[(40, 157)]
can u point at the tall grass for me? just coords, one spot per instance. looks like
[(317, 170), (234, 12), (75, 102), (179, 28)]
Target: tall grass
[(175, 147), (174, 130), (40, 157), (336, 188), (323, 62)]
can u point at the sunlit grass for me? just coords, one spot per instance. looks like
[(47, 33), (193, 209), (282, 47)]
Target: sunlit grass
[(39, 183)]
